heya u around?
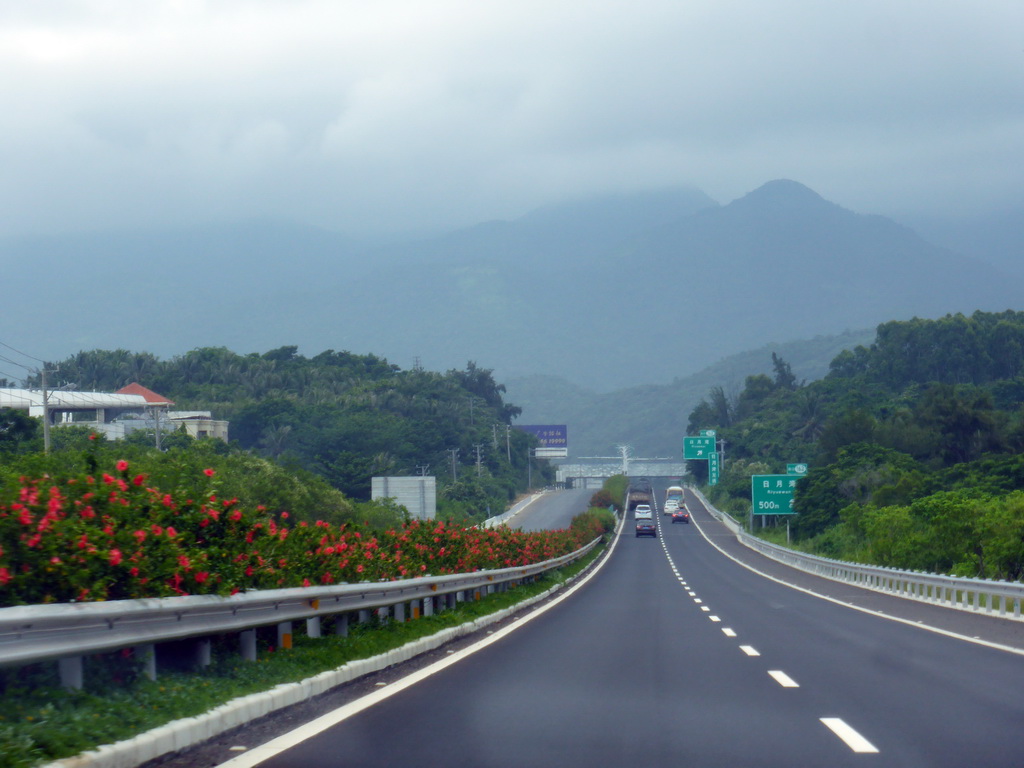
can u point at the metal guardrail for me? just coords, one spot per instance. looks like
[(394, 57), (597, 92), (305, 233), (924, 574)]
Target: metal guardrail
[(45, 632), (996, 598)]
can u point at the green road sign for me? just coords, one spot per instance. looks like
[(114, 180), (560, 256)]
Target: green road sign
[(796, 469), (698, 447), (772, 494), (707, 433)]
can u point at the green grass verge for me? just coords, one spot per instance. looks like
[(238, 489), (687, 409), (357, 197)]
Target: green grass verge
[(40, 721)]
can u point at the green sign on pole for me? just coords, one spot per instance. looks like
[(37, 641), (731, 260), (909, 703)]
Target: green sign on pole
[(698, 448), (796, 469), (772, 494), (703, 448)]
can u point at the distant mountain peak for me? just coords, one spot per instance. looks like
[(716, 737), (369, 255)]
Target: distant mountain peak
[(783, 193)]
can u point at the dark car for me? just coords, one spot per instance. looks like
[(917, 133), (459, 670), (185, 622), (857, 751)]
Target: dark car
[(681, 515), (646, 528)]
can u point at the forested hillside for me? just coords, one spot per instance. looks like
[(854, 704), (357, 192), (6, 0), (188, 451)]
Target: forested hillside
[(914, 444), (342, 417)]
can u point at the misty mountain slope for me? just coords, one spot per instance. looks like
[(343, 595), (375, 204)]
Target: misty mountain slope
[(606, 293), (653, 418)]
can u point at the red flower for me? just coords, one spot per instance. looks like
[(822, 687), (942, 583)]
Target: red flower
[(201, 576), (209, 472), (122, 466), (139, 480), (115, 557)]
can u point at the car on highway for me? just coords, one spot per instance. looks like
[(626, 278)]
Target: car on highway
[(643, 509), (671, 506), (646, 527), (681, 515)]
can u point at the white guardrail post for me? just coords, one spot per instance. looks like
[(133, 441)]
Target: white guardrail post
[(69, 631), (996, 598)]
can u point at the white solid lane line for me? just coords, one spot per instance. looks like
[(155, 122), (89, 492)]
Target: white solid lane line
[(853, 740), (783, 679)]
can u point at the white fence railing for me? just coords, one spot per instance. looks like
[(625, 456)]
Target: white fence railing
[(68, 631), (997, 598)]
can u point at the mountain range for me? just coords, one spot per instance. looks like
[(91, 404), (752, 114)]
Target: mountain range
[(604, 294)]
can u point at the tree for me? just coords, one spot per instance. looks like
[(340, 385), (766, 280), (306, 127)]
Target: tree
[(17, 430), (784, 376)]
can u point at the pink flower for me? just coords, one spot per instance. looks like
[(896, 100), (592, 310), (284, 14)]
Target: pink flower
[(115, 557)]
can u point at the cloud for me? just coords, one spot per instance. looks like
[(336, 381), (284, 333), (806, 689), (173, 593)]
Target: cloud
[(400, 114)]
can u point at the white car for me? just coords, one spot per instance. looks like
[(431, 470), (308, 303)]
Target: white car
[(643, 510), (671, 506)]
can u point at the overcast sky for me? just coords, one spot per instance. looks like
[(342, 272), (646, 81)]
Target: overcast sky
[(404, 114)]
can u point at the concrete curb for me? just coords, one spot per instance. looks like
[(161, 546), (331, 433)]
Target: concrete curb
[(188, 732)]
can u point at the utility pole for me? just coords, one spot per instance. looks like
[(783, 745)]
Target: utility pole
[(156, 416), (508, 442), (46, 411), (455, 473), (472, 402), (422, 469), (479, 452)]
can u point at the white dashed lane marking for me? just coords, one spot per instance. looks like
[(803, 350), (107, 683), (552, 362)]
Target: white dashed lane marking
[(853, 740), (783, 679)]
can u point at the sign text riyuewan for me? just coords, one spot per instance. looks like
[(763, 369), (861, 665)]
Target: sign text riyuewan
[(772, 494), (703, 448)]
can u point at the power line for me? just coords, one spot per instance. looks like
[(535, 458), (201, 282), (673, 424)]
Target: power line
[(23, 354)]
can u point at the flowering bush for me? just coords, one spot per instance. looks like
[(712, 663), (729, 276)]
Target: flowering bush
[(116, 537)]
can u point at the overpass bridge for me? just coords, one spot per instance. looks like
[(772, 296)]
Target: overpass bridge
[(592, 471)]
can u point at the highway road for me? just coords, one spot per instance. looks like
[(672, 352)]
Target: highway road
[(674, 654), (553, 510)]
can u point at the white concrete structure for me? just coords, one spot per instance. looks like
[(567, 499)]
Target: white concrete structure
[(417, 494)]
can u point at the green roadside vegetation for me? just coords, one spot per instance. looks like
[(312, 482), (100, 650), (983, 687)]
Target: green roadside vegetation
[(41, 721), (915, 446), (338, 417)]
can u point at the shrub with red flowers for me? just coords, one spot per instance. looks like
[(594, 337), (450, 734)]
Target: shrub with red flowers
[(115, 536)]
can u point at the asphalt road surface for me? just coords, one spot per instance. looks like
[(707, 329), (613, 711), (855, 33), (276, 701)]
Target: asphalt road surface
[(675, 654), (553, 510)]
